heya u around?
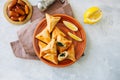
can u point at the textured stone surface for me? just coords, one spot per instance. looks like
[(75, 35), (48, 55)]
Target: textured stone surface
[(102, 54)]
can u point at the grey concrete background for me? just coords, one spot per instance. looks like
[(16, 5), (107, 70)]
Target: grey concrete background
[(102, 54)]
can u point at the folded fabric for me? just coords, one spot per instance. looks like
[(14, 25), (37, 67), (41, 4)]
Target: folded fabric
[(23, 47), (20, 52)]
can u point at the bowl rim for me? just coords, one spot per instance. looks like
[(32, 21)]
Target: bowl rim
[(34, 34), (15, 22)]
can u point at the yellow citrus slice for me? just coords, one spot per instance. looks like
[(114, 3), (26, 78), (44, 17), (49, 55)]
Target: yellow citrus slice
[(74, 36), (71, 26), (92, 15)]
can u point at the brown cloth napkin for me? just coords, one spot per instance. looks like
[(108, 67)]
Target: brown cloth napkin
[(23, 47)]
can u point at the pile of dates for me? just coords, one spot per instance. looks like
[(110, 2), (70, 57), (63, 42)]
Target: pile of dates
[(17, 10)]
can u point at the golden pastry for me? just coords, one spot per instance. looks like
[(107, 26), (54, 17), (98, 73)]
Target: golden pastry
[(57, 32), (41, 46), (71, 53), (51, 22), (44, 36), (50, 48), (63, 43), (51, 57)]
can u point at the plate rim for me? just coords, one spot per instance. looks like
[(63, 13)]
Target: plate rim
[(34, 34)]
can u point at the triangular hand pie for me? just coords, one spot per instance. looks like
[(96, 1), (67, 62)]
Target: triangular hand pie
[(44, 36), (63, 43), (51, 57), (41, 46), (51, 22), (71, 53), (57, 32), (50, 48)]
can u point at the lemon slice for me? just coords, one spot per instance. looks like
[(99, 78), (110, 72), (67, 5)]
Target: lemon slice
[(92, 15), (71, 26), (74, 37)]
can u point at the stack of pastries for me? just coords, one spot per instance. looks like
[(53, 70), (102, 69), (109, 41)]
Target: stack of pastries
[(53, 45)]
